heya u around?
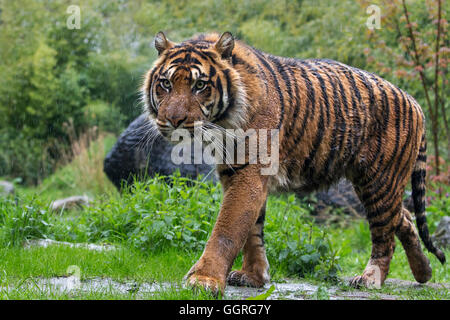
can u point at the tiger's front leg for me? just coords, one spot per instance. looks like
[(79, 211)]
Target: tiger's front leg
[(255, 267), (245, 192)]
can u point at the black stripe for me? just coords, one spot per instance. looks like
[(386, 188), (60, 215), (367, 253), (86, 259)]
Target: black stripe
[(203, 54), (309, 107), (385, 177), (235, 60), (220, 89), (422, 157), (378, 132), (230, 95), (212, 71), (308, 164), (358, 123), (231, 171), (399, 176), (262, 59), (388, 219), (262, 214), (338, 130), (297, 103), (281, 68)]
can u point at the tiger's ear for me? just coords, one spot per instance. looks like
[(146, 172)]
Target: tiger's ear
[(225, 45), (161, 42)]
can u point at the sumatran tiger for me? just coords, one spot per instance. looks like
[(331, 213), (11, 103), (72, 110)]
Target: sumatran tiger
[(334, 121)]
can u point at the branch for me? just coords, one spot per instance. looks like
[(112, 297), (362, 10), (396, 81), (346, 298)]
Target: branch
[(416, 59), (436, 65), (421, 68)]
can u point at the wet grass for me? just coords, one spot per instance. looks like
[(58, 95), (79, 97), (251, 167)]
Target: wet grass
[(160, 231), (354, 246), (122, 264), (21, 268)]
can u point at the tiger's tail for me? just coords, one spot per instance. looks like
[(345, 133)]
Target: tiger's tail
[(418, 195)]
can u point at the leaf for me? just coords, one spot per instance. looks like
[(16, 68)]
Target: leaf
[(309, 248), (292, 245), (306, 258), (263, 296)]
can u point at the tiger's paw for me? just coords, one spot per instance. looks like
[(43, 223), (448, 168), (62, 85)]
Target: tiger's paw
[(368, 280), (245, 279), (372, 278), (210, 284)]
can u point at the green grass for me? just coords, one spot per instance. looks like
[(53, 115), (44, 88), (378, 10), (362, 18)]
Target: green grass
[(22, 268), (160, 230), (121, 264), (355, 246), (78, 176), (146, 262)]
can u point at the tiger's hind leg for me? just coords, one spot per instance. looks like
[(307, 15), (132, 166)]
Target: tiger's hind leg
[(418, 262), (255, 267), (384, 211)]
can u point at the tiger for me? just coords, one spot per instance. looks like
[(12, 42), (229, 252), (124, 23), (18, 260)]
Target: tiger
[(333, 120)]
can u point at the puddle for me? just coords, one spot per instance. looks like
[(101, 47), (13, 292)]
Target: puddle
[(291, 290), (288, 290)]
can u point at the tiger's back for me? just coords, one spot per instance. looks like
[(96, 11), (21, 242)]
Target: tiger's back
[(336, 121)]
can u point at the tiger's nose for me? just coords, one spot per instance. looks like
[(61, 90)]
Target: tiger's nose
[(176, 121)]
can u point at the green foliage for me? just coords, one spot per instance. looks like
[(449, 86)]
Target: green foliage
[(52, 75), (296, 244), (173, 212), (438, 206), (24, 157), (155, 215), (102, 115), (263, 296), (19, 222), (322, 294), (49, 75)]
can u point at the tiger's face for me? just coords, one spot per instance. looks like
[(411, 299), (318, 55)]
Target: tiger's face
[(192, 83)]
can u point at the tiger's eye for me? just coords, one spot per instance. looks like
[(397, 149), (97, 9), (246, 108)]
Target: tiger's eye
[(166, 84), (199, 85)]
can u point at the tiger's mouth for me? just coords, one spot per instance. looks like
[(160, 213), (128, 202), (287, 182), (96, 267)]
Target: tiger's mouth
[(168, 130)]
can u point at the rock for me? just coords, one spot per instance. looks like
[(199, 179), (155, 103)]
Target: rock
[(341, 195), (6, 188), (135, 153), (70, 203), (441, 236)]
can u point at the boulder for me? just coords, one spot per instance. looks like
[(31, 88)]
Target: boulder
[(338, 196), (6, 188), (70, 203), (441, 237), (135, 154)]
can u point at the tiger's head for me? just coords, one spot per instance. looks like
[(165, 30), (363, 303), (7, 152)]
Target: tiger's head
[(194, 82)]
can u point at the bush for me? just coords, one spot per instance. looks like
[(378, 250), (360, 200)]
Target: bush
[(296, 245), (24, 158), (174, 212), (22, 221), (105, 116), (154, 215)]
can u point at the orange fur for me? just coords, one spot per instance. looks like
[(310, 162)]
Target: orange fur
[(334, 121)]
